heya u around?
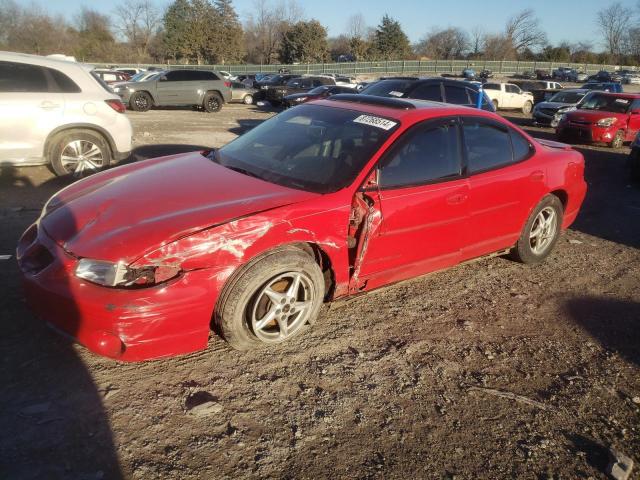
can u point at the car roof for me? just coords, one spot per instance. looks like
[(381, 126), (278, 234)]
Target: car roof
[(620, 95), (399, 109), (42, 61)]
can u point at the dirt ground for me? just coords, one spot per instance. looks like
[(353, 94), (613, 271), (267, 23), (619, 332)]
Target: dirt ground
[(490, 370)]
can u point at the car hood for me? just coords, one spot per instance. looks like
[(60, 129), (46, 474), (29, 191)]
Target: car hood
[(126, 212), (293, 96), (592, 116), (553, 105)]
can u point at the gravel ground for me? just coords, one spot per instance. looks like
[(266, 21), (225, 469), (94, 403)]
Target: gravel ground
[(488, 370)]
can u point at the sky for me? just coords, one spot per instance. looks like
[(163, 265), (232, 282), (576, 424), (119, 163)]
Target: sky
[(571, 20)]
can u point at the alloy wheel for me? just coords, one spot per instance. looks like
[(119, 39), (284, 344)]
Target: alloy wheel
[(81, 156), (282, 307), (543, 230)]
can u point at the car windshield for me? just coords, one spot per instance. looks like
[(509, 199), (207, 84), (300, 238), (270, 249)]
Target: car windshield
[(311, 147), (388, 88), (607, 103), (318, 90), (567, 97), (138, 76)]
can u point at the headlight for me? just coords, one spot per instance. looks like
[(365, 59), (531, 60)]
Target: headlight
[(606, 122), (118, 274), (301, 99)]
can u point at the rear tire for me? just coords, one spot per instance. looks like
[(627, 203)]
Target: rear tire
[(140, 102), (79, 153), (540, 233), (212, 102), (245, 303), (495, 104), (526, 108)]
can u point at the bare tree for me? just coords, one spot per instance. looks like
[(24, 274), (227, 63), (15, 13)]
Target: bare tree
[(614, 22), (444, 44), (477, 40), (356, 26), (265, 27), (498, 47), (138, 22), (524, 31)]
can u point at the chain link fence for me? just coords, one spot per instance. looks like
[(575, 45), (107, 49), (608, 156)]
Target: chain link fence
[(397, 67)]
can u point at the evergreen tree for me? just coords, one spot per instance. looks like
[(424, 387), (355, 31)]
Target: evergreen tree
[(391, 43), (304, 42), (177, 23), (227, 34)]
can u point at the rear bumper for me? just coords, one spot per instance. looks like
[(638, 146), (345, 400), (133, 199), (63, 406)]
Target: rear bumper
[(124, 324)]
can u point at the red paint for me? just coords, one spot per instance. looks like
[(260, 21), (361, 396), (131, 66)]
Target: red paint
[(187, 211), (583, 123)]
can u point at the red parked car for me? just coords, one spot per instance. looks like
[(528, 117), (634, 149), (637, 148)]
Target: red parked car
[(329, 199), (611, 118)]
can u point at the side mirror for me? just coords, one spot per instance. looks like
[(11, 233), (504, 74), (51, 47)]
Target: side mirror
[(371, 183)]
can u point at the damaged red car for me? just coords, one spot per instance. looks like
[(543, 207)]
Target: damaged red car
[(325, 200)]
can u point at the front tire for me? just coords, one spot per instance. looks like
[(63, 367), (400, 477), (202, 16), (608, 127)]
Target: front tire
[(540, 233), (140, 102), (248, 100), (274, 299), (79, 153)]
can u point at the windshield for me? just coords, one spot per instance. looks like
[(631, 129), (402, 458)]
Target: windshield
[(567, 97), (388, 88), (138, 76), (311, 147), (607, 103)]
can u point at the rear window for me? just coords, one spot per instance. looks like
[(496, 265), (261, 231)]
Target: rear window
[(63, 83), (388, 88), (456, 95)]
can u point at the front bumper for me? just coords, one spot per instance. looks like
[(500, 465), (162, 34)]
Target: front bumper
[(125, 324), (587, 133)]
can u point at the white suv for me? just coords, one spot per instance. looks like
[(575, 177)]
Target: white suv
[(57, 112)]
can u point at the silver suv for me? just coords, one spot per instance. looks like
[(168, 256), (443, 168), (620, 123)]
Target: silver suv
[(200, 88), (56, 112)]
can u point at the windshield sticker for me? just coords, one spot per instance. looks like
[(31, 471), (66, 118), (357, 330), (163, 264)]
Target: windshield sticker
[(382, 123), (393, 93), (622, 100)]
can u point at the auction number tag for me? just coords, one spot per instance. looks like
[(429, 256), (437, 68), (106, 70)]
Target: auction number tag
[(372, 121)]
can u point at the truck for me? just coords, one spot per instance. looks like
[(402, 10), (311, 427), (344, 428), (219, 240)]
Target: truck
[(505, 96)]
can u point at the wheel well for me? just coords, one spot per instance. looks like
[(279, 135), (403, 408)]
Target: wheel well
[(215, 91), (48, 143), (153, 100), (562, 196), (324, 262)]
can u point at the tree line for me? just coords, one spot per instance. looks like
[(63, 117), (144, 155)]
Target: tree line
[(278, 31)]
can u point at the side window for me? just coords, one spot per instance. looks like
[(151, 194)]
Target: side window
[(456, 95), (491, 86), (64, 83), (511, 88), (425, 154), (427, 91), (177, 76), (521, 146), (21, 77), (487, 145), (193, 76)]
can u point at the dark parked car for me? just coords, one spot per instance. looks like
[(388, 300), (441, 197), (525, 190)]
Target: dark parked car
[(542, 74), (549, 112), (437, 89), (272, 81), (486, 73), (276, 94), (317, 93), (200, 88), (605, 77), (613, 87)]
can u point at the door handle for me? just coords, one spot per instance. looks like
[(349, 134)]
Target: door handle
[(49, 105), (537, 176), (456, 199)]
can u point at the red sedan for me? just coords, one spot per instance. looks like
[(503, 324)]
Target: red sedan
[(611, 118), (325, 200)]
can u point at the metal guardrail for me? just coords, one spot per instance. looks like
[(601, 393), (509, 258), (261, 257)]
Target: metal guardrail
[(398, 67)]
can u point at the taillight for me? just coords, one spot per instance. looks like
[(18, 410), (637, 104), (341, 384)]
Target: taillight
[(117, 105), (227, 84)]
